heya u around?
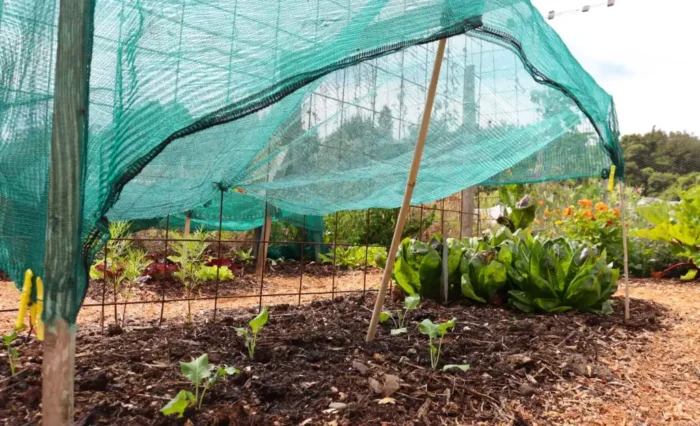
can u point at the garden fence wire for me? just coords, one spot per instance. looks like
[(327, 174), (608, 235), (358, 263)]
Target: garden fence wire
[(107, 302)]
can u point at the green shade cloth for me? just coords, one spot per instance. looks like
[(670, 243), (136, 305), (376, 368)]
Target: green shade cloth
[(312, 106)]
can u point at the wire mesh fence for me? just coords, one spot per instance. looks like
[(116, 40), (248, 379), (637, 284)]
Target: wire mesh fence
[(339, 264)]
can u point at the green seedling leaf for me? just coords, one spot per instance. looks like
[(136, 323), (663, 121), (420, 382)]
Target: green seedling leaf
[(9, 338), (179, 404), (222, 371), (398, 331), (385, 315), (446, 326), (259, 321), (433, 349), (429, 328), (463, 367), (411, 302), (241, 331), (196, 370)]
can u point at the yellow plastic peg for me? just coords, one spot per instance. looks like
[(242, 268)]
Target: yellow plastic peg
[(24, 299)]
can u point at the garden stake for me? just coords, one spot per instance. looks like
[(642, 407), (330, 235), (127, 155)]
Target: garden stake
[(405, 206), (624, 250)]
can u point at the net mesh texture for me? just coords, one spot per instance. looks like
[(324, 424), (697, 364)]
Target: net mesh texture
[(312, 106)]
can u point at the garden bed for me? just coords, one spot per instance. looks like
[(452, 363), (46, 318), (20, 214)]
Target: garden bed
[(313, 357)]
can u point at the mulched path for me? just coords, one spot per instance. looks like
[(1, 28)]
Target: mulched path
[(313, 367)]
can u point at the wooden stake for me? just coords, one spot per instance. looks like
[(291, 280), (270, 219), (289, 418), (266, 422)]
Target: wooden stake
[(263, 245), (65, 207), (188, 223), (623, 209), (468, 212), (408, 194)]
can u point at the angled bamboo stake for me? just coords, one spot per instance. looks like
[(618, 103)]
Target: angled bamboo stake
[(65, 206), (623, 209), (410, 185)]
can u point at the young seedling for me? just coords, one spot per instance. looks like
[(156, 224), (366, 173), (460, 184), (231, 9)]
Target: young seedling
[(399, 317), (12, 354), (251, 336), (434, 331), (202, 376)]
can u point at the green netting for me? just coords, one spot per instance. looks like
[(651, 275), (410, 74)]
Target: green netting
[(310, 105), (239, 213)]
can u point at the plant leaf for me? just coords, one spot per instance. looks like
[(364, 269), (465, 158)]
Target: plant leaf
[(398, 331), (197, 370), (259, 321), (411, 302), (179, 404), (241, 331), (429, 328), (692, 273), (447, 325), (385, 315), (463, 367)]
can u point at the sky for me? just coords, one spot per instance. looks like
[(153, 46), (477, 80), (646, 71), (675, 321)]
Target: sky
[(645, 53)]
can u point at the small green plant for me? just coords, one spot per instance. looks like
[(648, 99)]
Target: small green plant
[(245, 256), (134, 263), (202, 376), (251, 336), (190, 255), (12, 354), (399, 317), (354, 257), (434, 331), (208, 273)]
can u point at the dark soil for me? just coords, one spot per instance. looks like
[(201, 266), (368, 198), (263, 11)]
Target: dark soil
[(312, 366)]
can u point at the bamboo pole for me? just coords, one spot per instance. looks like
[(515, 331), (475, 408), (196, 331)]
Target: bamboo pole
[(623, 215), (188, 224), (65, 206), (408, 194)]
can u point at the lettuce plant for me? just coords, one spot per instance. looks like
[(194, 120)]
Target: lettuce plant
[(203, 377), (418, 268), (435, 331), (251, 336), (399, 317), (555, 276), (485, 274)]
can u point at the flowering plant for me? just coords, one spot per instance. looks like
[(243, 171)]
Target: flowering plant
[(594, 222)]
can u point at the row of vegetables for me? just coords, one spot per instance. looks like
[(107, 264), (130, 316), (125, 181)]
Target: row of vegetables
[(530, 273)]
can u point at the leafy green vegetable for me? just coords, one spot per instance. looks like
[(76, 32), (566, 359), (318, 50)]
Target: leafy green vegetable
[(485, 273), (556, 276), (199, 373), (434, 331), (353, 257), (521, 210), (208, 273), (418, 268), (251, 336)]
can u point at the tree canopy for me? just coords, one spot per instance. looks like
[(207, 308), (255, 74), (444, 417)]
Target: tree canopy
[(661, 163)]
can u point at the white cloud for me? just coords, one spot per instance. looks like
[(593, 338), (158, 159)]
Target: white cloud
[(645, 53)]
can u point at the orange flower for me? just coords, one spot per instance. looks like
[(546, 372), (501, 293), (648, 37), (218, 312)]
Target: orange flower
[(540, 202), (616, 212), (569, 210), (484, 217), (559, 222), (585, 203), (537, 221), (589, 214), (546, 212), (601, 207)]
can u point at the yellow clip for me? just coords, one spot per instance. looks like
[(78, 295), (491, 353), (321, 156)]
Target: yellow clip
[(24, 299), (611, 179), (39, 309)]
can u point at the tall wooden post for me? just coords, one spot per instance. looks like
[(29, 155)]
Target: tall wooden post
[(468, 212), (623, 220), (65, 206), (405, 206)]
